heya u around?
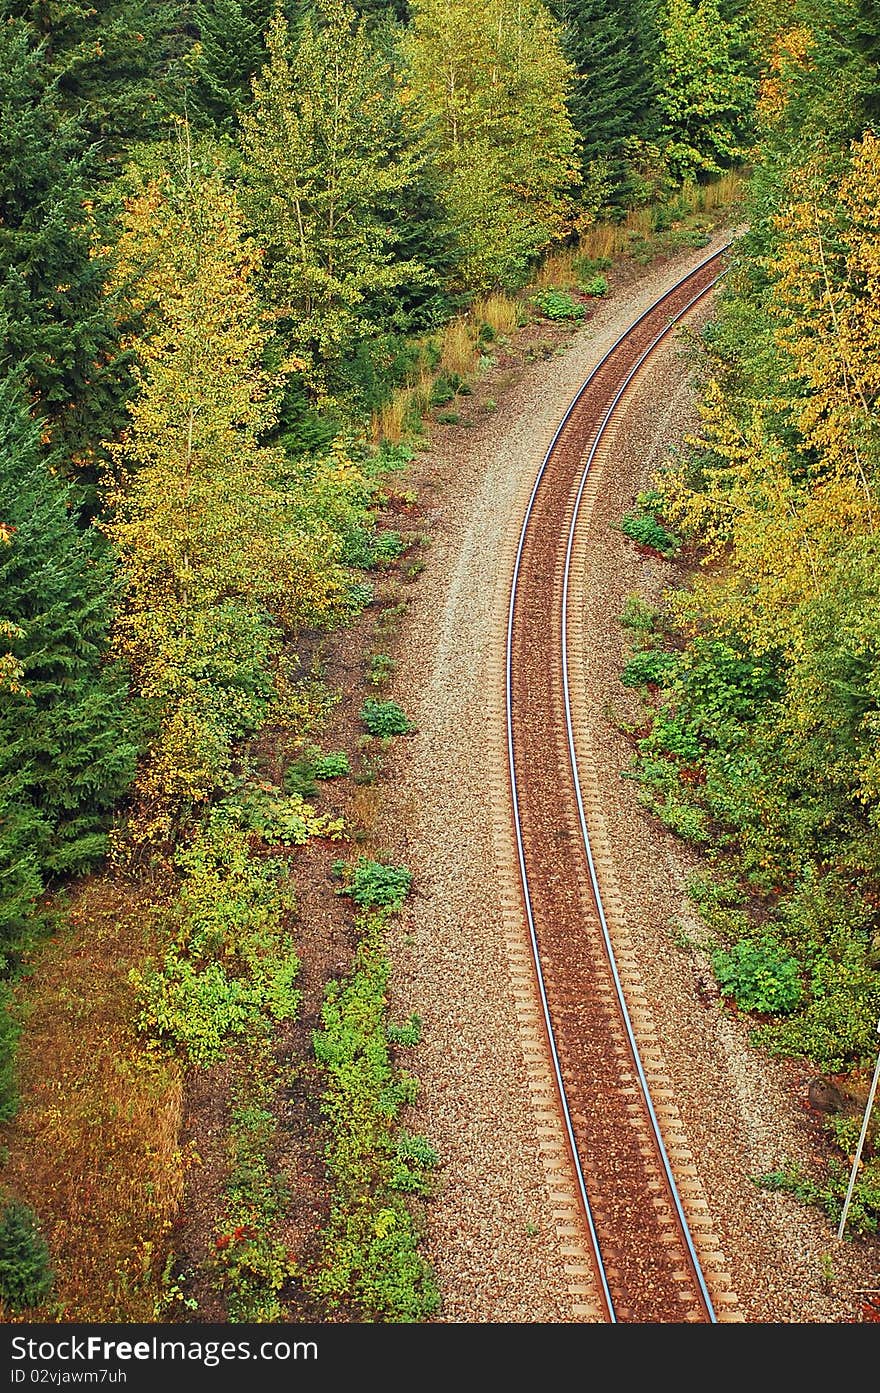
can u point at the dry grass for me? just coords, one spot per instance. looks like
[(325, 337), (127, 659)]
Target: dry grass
[(95, 1146), (499, 311), (558, 270), (603, 239), (458, 351), (725, 191)]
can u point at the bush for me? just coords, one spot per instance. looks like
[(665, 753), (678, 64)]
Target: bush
[(596, 285), (558, 304), (385, 718), (371, 884), (759, 976), (25, 1274), (644, 527), (332, 766), (653, 665)]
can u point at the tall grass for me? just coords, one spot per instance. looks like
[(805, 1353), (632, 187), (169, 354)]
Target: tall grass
[(458, 349), (501, 312)]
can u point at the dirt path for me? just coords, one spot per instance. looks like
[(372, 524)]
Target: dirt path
[(498, 1235)]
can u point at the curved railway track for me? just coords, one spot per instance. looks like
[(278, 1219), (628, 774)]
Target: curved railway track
[(646, 1264)]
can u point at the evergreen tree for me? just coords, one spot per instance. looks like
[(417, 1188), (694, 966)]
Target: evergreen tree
[(493, 79), (54, 317), (231, 49), (65, 757), (324, 164), (611, 44), (25, 1275), (113, 61)]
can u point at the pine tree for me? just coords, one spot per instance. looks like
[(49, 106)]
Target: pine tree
[(25, 1275), (493, 79), (113, 60), (65, 756), (324, 163), (611, 44), (231, 49), (54, 317)]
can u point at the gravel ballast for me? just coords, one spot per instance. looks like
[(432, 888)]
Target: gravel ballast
[(491, 1237)]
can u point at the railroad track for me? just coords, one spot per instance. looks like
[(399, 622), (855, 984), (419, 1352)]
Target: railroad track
[(647, 1267)]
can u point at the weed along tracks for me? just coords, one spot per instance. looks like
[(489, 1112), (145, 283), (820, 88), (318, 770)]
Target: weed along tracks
[(631, 1213)]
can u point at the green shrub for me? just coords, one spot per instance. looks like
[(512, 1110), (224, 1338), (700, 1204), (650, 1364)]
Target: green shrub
[(445, 388), (25, 1274), (370, 1255), (760, 976), (644, 527), (558, 304), (299, 777), (639, 617), (385, 718), (370, 550), (649, 665), (333, 765), (407, 1035), (372, 884), (596, 285)]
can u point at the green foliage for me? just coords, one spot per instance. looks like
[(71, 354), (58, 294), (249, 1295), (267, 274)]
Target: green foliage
[(229, 51), (226, 542), (25, 1273), (333, 765), (56, 320), (704, 89), (760, 976), (612, 45), (558, 304), (639, 617), (252, 1260), (493, 81), (10, 1030), (595, 285), (326, 156), (372, 884), (371, 1244), (385, 718), (863, 1215), (650, 665), (66, 749), (371, 550), (407, 1035), (231, 967), (380, 667), (114, 64), (643, 525)]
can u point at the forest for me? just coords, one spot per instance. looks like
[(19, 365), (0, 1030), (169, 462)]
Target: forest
[(247, 249)]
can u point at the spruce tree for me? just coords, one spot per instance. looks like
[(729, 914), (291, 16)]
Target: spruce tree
[(54, 317), (114, 62), (231, 49), (65, 755), (611, 44), (25, 1274)]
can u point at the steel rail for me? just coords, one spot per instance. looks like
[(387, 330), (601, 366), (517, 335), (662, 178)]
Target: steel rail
[(551, 1038)]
